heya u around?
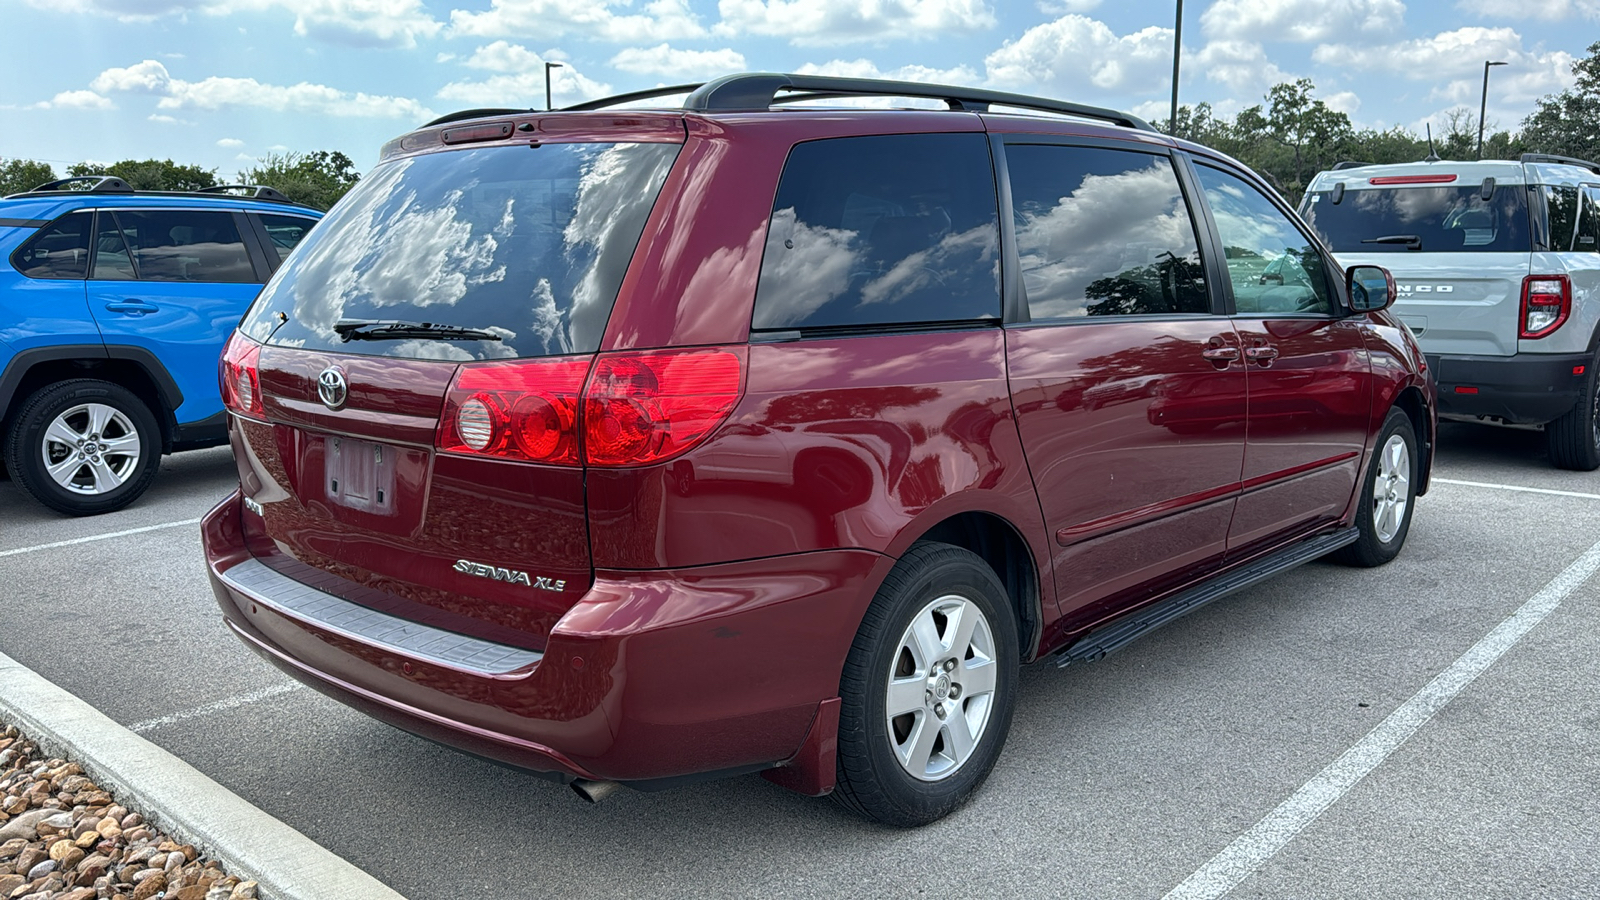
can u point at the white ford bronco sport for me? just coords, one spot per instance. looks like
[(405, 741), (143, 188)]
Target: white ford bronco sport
[(1498, 268)]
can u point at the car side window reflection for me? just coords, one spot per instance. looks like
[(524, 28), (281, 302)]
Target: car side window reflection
[(59, 250), (1273, 266), (1103, 233)]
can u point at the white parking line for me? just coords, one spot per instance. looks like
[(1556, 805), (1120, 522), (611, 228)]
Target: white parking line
[(1251, 850), (98, 537), (237, 700), (1514, 487)]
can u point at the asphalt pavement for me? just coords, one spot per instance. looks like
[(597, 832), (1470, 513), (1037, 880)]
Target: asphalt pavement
[(1425, 729)]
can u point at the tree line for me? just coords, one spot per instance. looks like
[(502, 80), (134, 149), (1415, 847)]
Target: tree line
[(1288, 139)]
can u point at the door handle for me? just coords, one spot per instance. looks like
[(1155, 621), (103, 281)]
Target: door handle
[(1262, 355), (1220, 354), (131, 307)]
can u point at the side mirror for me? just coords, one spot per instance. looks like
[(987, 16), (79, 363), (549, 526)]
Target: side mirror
[(1371, 288)]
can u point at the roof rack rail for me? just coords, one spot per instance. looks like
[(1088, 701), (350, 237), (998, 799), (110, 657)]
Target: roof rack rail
[(1350, 164), (1552, 158), (102, 184), (257, 191), (461, 114), (619, 99)]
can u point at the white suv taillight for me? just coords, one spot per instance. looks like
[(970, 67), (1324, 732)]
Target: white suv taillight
[(1546, 303), (241, 377)]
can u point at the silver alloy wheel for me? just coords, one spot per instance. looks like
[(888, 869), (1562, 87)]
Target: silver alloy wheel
[(941, 688), (91, 448), (1391, 490)]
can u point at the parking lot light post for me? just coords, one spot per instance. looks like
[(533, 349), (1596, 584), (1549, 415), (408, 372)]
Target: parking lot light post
[(547, 67), (1483, 105), (1177, 51)]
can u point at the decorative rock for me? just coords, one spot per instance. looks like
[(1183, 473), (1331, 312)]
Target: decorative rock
[(150, 887), (42, 869), (24, 826), (82, 893), (245, 891), (29, 858), (88, 839), (132, 820), (12, 847), (9, 883), (58, 850)]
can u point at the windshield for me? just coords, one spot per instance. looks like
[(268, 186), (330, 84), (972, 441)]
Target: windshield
[(529, 245), (1443, 219)]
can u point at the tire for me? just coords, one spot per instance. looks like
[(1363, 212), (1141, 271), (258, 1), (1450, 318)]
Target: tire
[(1573, 440), (1387, 496), (940, 605), (57, 421)]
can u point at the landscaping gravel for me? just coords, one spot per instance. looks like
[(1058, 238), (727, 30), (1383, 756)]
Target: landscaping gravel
[(64, 838)]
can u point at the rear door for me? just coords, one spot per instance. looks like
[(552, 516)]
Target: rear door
[(1129, 388), (42, 303), (173, 282), (1306, 367), (390, 468)]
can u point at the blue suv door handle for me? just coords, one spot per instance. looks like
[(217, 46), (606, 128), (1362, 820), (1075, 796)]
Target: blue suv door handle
[(131, 307)]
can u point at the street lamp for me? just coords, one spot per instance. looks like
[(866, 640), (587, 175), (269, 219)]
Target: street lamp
[(1483, 105), (547, 67), (1177, 49)]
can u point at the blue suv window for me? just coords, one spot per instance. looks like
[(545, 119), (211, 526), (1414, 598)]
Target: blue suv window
[(184, 245), (59, 250)]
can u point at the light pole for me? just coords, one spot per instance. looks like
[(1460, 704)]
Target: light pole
[(547, 67), (1483, 105), (1177, 50)]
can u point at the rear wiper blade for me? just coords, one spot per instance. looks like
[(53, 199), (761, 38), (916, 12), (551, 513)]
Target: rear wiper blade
[(352, 330), (1412, 242)]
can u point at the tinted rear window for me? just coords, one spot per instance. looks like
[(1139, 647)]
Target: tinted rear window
[(883, 230), (528, 244), (1445, 219)]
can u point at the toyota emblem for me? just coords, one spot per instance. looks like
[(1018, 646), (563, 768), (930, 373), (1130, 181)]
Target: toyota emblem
[(331, 387)]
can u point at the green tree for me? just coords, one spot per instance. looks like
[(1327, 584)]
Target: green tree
[(318, 179), (1568, 123), (151, 174), (1296, 136), (18, 175)]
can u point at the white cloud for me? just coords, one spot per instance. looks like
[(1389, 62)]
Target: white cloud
[(1241, 65), (1453, 61), (830, 22), (594, 19), (362, 23), (1549, 10), (151, 77), (77, 100), (1299, 20), (230, 142), (679, 64), (521, 82), (1074, 53), (167, 120), (1062, 7), (125, 10), (865, 68)]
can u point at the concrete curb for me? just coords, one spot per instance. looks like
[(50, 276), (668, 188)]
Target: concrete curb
[(176, 798)]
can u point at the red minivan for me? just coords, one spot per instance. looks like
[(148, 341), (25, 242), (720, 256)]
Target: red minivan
[(644, 445)]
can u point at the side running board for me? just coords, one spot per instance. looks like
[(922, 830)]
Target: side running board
[(1124, 631)]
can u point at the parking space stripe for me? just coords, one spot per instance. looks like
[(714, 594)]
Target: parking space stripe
[(1517, 487), (1251, 850), (98, 537), (237, 700)]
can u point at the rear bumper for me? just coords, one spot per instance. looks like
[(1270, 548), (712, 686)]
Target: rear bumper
[(1525, 389), (650, 678)]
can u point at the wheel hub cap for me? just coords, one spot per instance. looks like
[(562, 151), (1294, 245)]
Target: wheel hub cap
[(1392, 488)]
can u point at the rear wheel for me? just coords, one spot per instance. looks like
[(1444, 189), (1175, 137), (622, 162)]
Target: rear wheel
[(928, 688), (1387, 495), (84, 447), (1574, 439)]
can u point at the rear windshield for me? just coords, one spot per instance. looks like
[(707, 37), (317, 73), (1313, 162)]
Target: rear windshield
[(528, 245), (1443, 219)]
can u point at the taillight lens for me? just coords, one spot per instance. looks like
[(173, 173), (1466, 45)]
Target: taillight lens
[(241, 378), (520, 409), (1546, 303), (642, 408)]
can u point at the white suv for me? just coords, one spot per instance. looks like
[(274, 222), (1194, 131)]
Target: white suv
[(1498, 268)]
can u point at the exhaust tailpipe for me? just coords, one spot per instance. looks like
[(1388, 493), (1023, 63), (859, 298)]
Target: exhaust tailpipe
[(594, 791)]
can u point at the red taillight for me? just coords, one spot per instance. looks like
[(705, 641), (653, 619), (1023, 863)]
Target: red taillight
[(641, 408), (638, 408), (1412, 179), (1546, 303), (241, 378), (520, 409)]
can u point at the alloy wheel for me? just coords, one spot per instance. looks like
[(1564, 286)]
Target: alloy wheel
[(1391, 489), (91, 448), (941, 688)]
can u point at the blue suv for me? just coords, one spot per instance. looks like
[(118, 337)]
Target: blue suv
[(114, 307)]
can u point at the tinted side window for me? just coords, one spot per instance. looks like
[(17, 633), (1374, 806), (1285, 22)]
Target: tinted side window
[(1273, 266), (1561, 201), (1103, 233), (181, 245), (1588, 237), (111, 259), (286, 231), (60, 250), (882, 230)]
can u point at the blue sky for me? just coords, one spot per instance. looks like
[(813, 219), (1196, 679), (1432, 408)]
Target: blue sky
[(221, 82)]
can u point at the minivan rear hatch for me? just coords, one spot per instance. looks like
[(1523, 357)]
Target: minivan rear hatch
[(385, 379), (1458, 252)]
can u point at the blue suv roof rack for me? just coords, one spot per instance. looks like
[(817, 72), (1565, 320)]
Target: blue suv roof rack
[(101, 184), (255, 192)]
